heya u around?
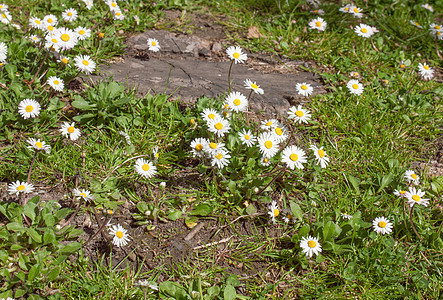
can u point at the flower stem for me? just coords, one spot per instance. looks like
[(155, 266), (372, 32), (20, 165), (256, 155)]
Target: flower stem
[(129, 159), (283, 170), (229, 76), (412, 223), (436, 48), (30, 168), (40, 67)]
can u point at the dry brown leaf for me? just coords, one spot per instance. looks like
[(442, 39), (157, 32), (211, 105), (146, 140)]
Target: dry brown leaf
[(254, 32)]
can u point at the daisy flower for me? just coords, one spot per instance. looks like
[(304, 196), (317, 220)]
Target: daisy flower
[(112, 5), (5, 17), (155, 153), (304, 89), (220, 158), (63, 59), (415, 197), (126, 137), (268, 124), (56, 83), (212, 148), (310, 246), (402, 64), (69, 15), (236, 54), (50, 20), (264, 161), (3, 49), (267, 144), (83, 33), (253, 86), (400, 193), (219, 126), (67, 38), (88, 3), (273, 211), (137, 19), (345, 9), (280, 133), (197, 146), (382, 225), (34, 38), (294, 157), (121, 237), (364, 30), (70, 130), (38, 145), (84, 64), (355, 87), (28, 108), (318, 23), (320, 155), (20, 187), (247, 138), (287, 216), (299, 114), (354, 74), (118, 15), (153, 45), (83, 194), (237, 101), (3, 6), (356, 11), (52, 42), (320, 12), (410, 176), (345, 216), (435, 26), (209, 114), (145, 168), (416, 24), (428, 7), (425, 71), (36, 23), (437, 33)]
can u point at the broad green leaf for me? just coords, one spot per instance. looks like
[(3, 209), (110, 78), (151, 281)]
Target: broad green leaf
[(174, 215), (35, 269), (34, 234), (355, 182), (14, 226), (172, 289), (304, 231), (296, 210), (331, 231), (386, 180), (30, 210), (53, 274), (229, 293), (201, 210), (71, 248), (250, 210), (82, 104)]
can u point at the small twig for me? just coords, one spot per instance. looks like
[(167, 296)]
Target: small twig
[(213, 244), (283, 170), (129, 159), (73, 215), (194, 231), (39, 68)]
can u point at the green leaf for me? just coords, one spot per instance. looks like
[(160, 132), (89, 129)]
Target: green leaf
[(201, 210), (55, 104), (11, 70), (30, 210), (331, 231), (82, 117), (296, 210), (82, 104), (48, 236), (174, 215), (250, 210), (14, 226), (71, 248), (172, 289), (355, 182), (229, 293), (386, 180), (232, 280), (34, 234), (304, 231), (350, 271), (53, 274), (35, 269)]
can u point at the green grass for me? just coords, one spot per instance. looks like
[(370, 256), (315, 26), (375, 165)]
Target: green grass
[(371, 140)]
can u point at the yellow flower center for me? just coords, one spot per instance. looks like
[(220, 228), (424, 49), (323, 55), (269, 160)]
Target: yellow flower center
[(219, 156), (29, 108), (299, 113), (269, 123), (246, 137), (278, 131), (20, 187), (110, 211), (402, 192), (218, 126), (192, 121), (54, 41), (119, 234), (65, 37), (438, 33), (65, 61), (268, 144), (50, 28), (293, 157), (81, 32), (321, 153), (437, 26), (364, 30), (157, 155), (237, 102), (50, 21), (3, 16), (211, 116), (85, 62), (114, 4), (304, 87), (225, 114), (71, 129), (346, 8), (69, 13), (153, 43), (199, 147), (426, 67), (39, 144), (356, 10), (83, 195), (145, 167), (265, 160), (416, 198), (402, 66), (38, 22), (355, 86), (56, 82), (382, 224), (312, 244), (254, 86), (101, 35), (212, 145), (414, 176), (318, 24), (276, 212), (236, 55), (417, 24)]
